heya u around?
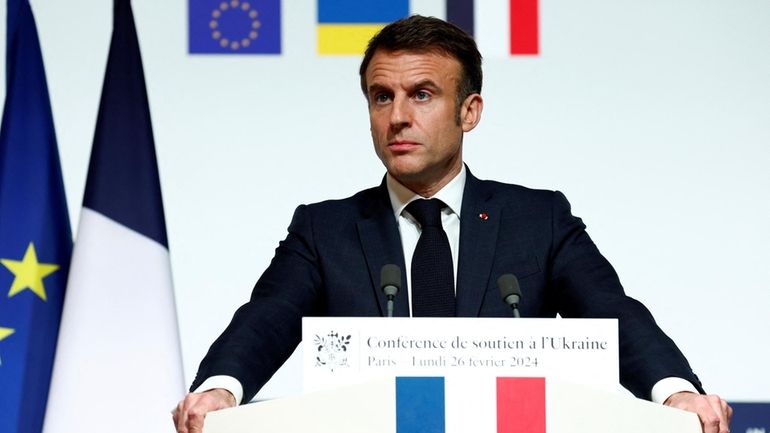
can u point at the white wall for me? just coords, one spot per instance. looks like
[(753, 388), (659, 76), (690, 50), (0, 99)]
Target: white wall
[(653, 117)]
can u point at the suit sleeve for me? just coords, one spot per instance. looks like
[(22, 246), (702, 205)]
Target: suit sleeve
[(588, 287), (263, 332)]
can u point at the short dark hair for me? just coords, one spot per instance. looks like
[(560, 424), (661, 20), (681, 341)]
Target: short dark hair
[(429, 34)]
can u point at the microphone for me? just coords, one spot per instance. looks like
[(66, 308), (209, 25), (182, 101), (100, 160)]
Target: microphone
[(510, 291), (390, 283)]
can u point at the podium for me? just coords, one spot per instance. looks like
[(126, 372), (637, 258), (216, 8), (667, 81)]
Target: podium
[(372, 408), (457, 375)]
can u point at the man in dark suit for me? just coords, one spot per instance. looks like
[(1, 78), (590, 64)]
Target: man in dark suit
[(422, 80)]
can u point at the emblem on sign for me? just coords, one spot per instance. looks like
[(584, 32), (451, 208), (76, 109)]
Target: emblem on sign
[(332, 350)]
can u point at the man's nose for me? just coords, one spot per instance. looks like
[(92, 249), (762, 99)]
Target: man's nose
[(400, 113)]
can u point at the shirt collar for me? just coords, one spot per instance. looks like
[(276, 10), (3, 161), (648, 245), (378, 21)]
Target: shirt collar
[(451, 194)]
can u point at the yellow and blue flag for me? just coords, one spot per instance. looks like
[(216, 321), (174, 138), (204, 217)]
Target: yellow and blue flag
[(235, 26), (35, 237), (345, 26)]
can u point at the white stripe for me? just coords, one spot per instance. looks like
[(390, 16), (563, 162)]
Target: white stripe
[(470, 404), (428, 8), (118, 366), (492, 28)]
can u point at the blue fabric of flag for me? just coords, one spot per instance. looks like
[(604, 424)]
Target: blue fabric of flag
[(35, 236), (361, 11), (420, 405), (234, 26), (461, 14), (123, 163)]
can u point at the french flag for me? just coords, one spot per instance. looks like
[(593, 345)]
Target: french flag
[(118, 363), (501, 28), (502, 405)]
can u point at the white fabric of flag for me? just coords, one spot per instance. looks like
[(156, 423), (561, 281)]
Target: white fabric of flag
[(118, 366)]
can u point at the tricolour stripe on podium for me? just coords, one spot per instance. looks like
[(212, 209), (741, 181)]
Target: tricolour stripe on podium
[(420, 405), (520, 405)]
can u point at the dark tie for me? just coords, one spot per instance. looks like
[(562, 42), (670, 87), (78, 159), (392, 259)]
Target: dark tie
[(433, 279)]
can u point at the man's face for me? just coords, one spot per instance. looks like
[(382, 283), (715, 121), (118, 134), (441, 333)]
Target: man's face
[(413, 112)]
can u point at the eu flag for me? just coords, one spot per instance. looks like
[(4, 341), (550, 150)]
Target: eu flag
[(35, 238), (235, 26)]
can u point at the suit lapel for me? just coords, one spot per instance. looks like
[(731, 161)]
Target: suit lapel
[(479, 226), (381, 244)]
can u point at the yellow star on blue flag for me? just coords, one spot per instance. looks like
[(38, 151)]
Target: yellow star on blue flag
[(4, 333), (29, 273)]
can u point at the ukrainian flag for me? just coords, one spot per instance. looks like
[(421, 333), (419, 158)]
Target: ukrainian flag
[(345, 26)]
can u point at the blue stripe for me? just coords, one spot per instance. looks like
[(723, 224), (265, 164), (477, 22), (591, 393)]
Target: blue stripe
[(460, 13), (420, 405), (361, 11), (123, 182)]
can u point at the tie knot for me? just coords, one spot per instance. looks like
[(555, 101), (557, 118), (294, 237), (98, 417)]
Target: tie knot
[(427, 212)]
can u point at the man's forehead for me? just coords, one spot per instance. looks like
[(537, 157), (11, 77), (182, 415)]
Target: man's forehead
[(413, 65), (433, 54)]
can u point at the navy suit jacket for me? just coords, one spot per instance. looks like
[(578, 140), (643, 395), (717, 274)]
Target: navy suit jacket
[(330, 261)]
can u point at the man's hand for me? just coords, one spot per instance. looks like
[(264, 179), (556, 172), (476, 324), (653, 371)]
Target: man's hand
[(714, 413), (190, 412)]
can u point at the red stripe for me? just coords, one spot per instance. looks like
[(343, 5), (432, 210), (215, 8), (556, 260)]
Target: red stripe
[(520, 405), (524, 26)]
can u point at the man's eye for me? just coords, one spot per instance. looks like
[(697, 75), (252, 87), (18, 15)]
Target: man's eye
[(421, 95), (381, 98)]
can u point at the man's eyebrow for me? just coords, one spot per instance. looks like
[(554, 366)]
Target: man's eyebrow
[(426, 83), (422, 84), (376, 87)]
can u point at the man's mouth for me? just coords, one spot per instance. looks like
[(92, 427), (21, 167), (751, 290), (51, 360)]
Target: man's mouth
[(402, 145)]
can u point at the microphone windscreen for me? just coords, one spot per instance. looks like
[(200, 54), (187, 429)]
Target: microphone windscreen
[(508, 285), (390, 275)]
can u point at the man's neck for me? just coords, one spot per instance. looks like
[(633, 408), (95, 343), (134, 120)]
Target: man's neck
[(429, 189), (451, 194)]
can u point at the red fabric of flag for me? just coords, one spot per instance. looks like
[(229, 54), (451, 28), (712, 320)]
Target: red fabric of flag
[(524, 22)]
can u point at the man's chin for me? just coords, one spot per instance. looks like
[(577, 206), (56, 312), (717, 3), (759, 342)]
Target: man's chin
[(405, 174)]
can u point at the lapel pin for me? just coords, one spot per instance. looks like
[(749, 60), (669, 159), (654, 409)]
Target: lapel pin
[(483, 216)]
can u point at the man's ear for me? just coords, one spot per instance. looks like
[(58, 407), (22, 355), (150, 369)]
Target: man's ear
[(470, 111)]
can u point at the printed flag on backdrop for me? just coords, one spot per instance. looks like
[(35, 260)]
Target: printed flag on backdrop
[(501, 28), (234, 26), (35, 238), (118, 365), (345, 26)]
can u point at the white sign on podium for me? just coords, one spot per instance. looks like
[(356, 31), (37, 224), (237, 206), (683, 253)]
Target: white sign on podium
[(340, 351)]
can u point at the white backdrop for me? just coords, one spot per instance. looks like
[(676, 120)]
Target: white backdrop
[(653, 117)]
